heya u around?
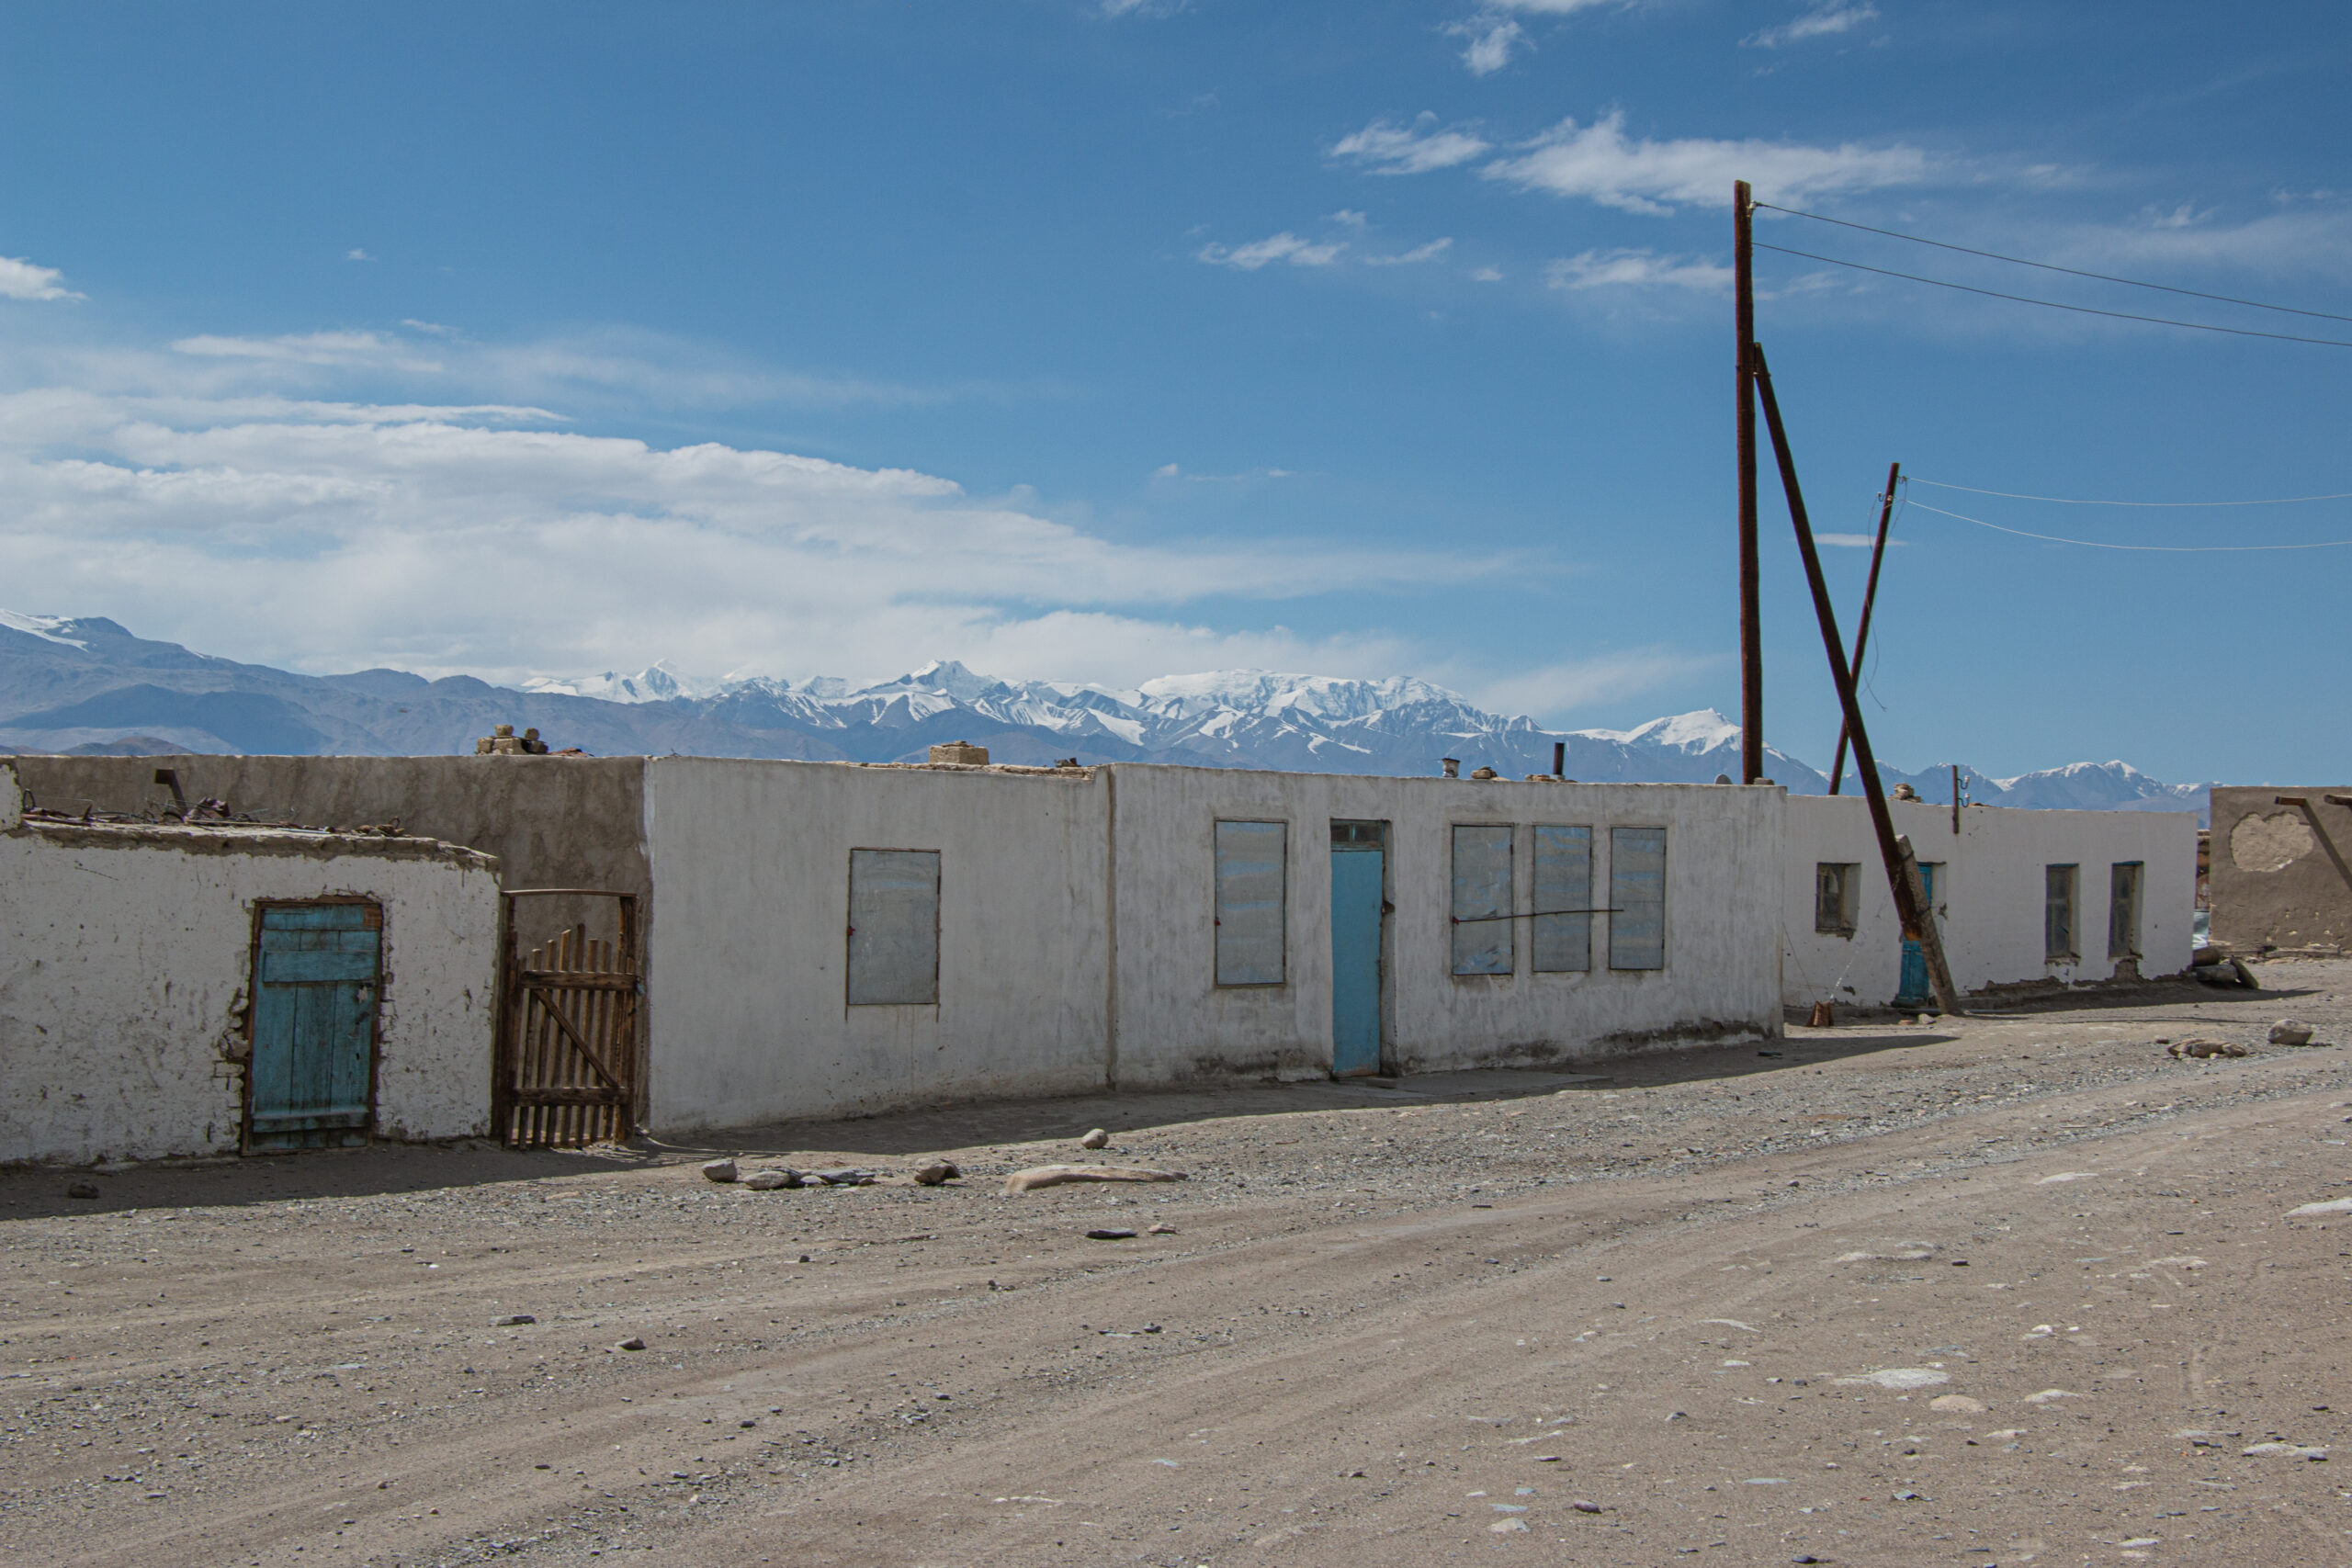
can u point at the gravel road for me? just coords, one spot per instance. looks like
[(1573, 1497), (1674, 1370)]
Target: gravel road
[(2015, 1289)]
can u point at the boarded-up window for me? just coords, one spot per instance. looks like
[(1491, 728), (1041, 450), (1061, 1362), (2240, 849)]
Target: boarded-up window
[(893, 927), (1637, 897), (1561, 931), (1484, 943), (2058, 914), (1250, 882), (1837, 888), (2124, 910)]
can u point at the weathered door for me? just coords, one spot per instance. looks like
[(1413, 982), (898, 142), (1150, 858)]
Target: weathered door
[(1356, 859), (566, 1043), (311, 1081), (1913, 991)]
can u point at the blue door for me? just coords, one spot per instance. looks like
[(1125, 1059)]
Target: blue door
[(1914, 992), (311, 1081), (1356, 908)]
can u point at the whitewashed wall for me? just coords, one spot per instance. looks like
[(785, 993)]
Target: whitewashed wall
[(1721, 979), (125, 957), (747, 964), (1988, 895)]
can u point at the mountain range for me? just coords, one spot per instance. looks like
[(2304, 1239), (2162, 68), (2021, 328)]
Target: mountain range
[(85, 684)]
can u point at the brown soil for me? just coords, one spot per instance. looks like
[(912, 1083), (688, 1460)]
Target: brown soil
[(1393, 1325)]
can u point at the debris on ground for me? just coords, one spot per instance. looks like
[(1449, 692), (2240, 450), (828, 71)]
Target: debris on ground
[(1110, 1233), (2286, 1032), (513, 1320), (1162, 1227), (2202, 1049), (770, 1181), (937, 1172), (718, 1170), (847, 1176), (1056, 1175), (1096, 1139)]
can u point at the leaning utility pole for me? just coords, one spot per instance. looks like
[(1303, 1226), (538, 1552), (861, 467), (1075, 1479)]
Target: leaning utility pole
[(1869, 597), (1911, 906), (1752, 625)]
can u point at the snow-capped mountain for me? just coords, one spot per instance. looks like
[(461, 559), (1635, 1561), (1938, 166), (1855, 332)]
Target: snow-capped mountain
[(89, 684)]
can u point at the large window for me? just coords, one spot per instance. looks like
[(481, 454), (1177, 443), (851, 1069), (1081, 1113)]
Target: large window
[(2123, 909), (1561, 933), (1251, 887), (1637, 897), (1484, 943), (893, 927), (1837, 896), (2058, 914)]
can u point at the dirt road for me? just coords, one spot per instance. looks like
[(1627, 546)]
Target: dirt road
[(2020, 1289)]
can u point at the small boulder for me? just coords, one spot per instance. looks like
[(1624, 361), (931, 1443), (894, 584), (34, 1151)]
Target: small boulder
[(2204, 1049), (1096, 1139), (1111, 1233), (1162, 1227), (513, 1320), (2288, 1031), (770, 1181), (1959, 1402), (631, 1343), (81, 1189), (847, 1176), (718, 1170), (937, 1172)]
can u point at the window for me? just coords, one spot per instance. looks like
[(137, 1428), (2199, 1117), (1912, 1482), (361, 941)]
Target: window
[(2123, 909), (1484, 941), (893, 928), (1561, 931), (2058, 914), (1251, 884), (1836, 893), (1637, 897)]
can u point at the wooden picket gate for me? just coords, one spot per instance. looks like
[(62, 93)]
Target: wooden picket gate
[(568, 1047)]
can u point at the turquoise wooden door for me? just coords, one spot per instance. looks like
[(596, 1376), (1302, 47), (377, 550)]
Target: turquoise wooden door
[(1913, 991), (1356, 908), (311, 1081)]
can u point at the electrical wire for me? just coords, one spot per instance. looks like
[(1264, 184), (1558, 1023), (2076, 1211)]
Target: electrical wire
[(2103, 545), (2051, 266), (2067, 501), (2055, 305)]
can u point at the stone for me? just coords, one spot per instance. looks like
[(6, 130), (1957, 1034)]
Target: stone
[(2204, 1049), (1956, 1402), (771, 1180), (847, 1176), (513, 1320), (631, 1343), (1162, 1227), (2285, 1450), (937, 1172), (1111, 1233), (1096, 1139), (2286, 1032), (81, 1189), (1055, 1175), (718, 1170), (1581, 1506), (962, 753)]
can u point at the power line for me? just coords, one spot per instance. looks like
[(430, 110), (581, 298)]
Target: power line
[(2068, 501), (2052, 266), (2054, 305), (2103, 545)]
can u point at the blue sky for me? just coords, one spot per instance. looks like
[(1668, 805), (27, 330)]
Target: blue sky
[(1095, 341)]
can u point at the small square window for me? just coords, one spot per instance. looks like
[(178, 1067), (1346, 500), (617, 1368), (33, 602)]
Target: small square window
[(1837, 896)]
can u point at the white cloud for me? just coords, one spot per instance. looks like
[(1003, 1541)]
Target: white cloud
[(306, 348), (1600, 163), (1854, 541), (320, 534), (357, 255), (1283, 247), (20, 279), (1351, 218), (1634, 268), (1825, 19), (1552, 691), (1492, 39), (1429, 252), (1487, 274), (1390, 149)]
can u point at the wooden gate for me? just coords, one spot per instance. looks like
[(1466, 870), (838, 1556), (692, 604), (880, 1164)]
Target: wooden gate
[(568, 1032)]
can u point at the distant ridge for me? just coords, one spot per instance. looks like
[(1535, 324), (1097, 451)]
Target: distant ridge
[(87, 685)]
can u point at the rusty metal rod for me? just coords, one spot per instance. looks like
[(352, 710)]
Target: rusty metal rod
[(1870, 599), (1901, 869)]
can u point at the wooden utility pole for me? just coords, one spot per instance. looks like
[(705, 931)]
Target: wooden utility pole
[(1869, 597), (1751, 626), (1902, 868)]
